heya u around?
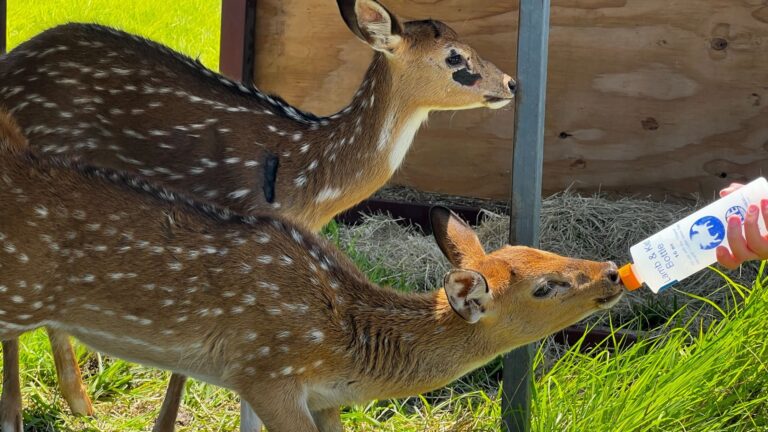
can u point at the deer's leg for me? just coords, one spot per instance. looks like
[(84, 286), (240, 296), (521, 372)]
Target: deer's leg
[(68, 372), (166, 420), (328, 420), (282, 407), (249, 421), (10, 400)]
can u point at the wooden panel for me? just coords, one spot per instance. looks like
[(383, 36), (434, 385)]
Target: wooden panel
[(643, 96)]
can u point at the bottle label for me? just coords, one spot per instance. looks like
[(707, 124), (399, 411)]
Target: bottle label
[(686, 247), (708, 232)]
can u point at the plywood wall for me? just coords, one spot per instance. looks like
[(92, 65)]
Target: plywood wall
[(643, 95)]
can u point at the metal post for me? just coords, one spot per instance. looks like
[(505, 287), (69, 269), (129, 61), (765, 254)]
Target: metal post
[(525, 202), (3, 24), (238, 24)]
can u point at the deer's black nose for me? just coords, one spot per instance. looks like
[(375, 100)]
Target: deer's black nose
[(612, 274), (512, 84)]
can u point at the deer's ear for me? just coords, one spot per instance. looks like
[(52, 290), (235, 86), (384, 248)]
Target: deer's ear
[(372, 23), (456, 239), (468, 294)]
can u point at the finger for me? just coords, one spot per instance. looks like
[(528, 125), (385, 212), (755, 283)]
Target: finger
[(756, 242), (732, 187), (726, 259), (737, 242), (764, 210)]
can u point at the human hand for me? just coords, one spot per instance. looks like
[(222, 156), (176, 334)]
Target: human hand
[(748, 244)]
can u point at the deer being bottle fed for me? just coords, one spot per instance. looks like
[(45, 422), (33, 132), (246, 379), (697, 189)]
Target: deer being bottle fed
[(257, 304), (688, 246)]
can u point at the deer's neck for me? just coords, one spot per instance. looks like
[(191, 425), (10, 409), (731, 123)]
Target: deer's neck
[(380, 119), (414, 343), (360, 147)]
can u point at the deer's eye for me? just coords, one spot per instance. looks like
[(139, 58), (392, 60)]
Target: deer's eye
[(550, 288), (542, 291), (553, 284), (455, 60)]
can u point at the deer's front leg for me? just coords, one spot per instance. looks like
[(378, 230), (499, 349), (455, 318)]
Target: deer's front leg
[(282, 406), (249, 421), (68, 373), (328, 420), (166, 420), (10, 400)]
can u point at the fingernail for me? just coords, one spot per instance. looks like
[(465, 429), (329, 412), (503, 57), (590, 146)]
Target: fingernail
[(752, 209), (764, 204), (734, 221)]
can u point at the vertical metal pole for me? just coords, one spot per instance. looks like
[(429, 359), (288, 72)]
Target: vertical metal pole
[(238, 24), (525, 202), (3, 25)]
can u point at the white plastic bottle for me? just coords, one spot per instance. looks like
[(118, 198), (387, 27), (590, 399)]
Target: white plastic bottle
[(688, 246)]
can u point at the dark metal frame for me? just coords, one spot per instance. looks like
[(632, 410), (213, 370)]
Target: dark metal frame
[(238, 39)]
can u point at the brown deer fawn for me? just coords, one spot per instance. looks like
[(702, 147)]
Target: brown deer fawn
[(116, 100), (255, 303)]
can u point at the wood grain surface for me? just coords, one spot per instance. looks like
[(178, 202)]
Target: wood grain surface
[(644, 96)]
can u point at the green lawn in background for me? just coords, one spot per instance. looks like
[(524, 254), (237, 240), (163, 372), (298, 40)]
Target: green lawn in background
[(190, 26)]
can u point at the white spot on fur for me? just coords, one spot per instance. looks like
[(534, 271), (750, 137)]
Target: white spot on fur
[(316, 336), (41, 211), (327, 194), (248, 299), (239, 194)]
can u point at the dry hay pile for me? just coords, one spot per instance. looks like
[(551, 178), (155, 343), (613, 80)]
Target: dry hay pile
[(573, 225)]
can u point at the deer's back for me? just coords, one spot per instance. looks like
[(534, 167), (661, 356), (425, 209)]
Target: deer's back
[(117, 100), (103, 261)]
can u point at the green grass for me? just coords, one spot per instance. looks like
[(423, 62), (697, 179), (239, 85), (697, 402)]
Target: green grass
[(190, 26), (711, 380), (374, 270)]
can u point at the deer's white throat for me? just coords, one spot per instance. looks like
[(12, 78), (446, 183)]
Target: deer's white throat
[(397, 142)]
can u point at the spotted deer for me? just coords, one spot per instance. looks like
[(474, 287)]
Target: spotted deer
[(257, 303), (116, 100)]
